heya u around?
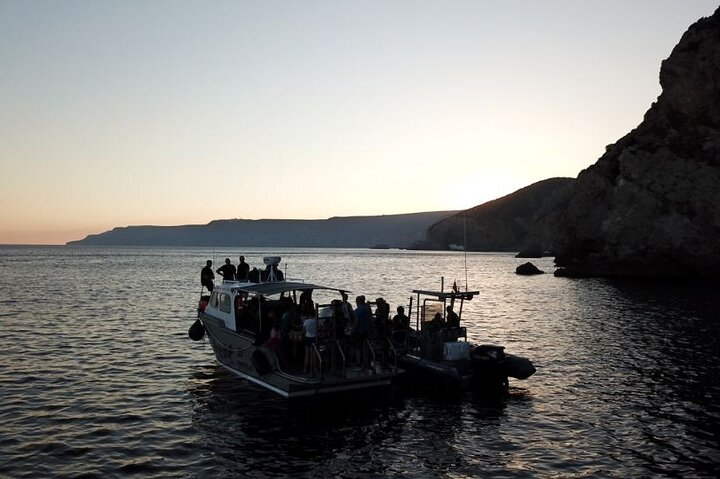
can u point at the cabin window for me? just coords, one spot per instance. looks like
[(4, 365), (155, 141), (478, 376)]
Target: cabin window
[(214, 300), (225, 303)]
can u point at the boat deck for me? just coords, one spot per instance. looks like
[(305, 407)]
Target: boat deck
[(289, 385)]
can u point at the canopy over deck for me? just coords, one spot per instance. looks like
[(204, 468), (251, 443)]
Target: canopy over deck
[(278, 287), (443, 295)]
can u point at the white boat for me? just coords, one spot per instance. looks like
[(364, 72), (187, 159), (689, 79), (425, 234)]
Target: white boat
[(238, 318)]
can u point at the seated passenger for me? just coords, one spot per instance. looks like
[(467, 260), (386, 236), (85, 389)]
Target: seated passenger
[(437, 321), (453, 320), (400, 325)]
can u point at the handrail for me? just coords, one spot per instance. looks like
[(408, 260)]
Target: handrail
[(419, 341), (372, 353), (398, 332), (395, 355), (317, 353), (342, 355)]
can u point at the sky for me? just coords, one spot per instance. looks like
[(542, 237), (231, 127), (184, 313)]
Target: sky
[(119, 113)]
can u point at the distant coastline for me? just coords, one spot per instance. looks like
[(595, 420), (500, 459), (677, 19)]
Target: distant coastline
[(390, 231), (503, 224)]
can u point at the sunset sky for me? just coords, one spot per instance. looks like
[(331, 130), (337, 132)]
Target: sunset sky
[(117, 113)]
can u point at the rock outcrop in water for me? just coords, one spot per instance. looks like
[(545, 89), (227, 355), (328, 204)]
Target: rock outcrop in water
[(528, 269), (650, 206)]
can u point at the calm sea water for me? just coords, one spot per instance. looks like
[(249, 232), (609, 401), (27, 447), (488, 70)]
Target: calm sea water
[(98, 377)]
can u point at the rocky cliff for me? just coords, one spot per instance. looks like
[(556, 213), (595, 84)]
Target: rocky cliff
[(503, 224), (650, 206)]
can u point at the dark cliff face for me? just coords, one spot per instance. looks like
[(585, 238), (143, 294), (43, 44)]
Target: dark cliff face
[(650, 206), (503, 224)]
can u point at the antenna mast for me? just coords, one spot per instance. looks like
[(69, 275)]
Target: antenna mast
[(465, 249)]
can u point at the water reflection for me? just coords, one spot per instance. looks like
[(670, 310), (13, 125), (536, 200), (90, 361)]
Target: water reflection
[(99, 378), (260, 427), (390, 431), (673, 346)]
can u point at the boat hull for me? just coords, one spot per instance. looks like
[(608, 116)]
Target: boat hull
[(486, 369), (238, 353), (452, 376)]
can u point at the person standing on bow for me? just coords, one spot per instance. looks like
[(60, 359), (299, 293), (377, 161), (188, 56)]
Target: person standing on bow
[(242, 269), (227, 271), (207, 276)]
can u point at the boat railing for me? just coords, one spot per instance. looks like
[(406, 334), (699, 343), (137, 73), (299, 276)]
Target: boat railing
[(418, 338), (316, 351), (342, 357), (399, 337), (368, 347), (394, 351)]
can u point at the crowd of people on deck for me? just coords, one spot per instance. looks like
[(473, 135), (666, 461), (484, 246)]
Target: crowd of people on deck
[(293, 330), (291, 326)]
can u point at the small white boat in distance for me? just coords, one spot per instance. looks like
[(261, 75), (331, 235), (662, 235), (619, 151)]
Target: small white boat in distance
[(255, 330)]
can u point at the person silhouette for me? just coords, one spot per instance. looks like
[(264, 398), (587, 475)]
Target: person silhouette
[(207, 276), (242, 269), (453, 320), (227, 271)]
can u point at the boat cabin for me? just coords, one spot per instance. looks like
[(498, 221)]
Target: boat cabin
[(246, 307)]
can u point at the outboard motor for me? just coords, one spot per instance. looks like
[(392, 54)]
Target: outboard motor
[(489, 368), (196, 331), (519, 367)]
